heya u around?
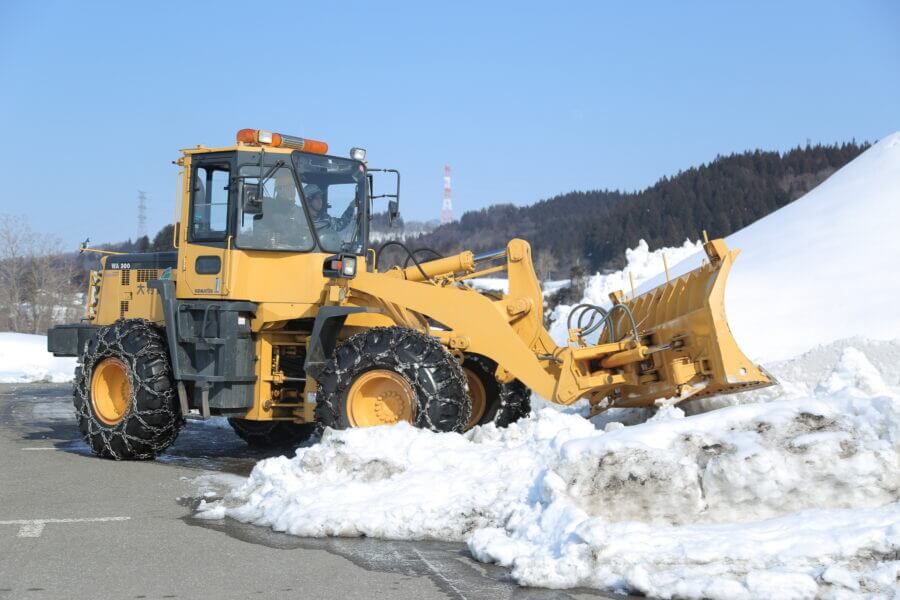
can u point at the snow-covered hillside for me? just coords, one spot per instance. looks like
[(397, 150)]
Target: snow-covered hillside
[(791, 492), (24, 358), (824, 267)]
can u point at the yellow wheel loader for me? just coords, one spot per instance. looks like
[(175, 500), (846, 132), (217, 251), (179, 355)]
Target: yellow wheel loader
[(273, 312)]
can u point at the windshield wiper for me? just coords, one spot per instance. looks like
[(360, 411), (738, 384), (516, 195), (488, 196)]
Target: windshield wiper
[(270, 172)]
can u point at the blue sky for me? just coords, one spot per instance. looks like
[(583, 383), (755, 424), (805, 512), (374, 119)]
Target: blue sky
[(524, 100)]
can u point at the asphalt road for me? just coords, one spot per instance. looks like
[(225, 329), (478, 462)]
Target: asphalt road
[(74, 526)]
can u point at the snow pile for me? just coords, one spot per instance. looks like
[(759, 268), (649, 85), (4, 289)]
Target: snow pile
[(642, 265), (699, 506), (822, 268), (24, 358)]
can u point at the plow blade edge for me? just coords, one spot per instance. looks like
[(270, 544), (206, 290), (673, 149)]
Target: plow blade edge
[(693, 352)]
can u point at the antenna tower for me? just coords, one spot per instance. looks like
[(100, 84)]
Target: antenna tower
[(142, 215), (447, 206)]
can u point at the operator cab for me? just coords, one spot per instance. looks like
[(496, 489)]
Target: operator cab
[(291, 197), (301, 203)]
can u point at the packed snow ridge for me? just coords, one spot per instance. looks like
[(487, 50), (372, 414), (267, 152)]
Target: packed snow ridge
[(790, 493)]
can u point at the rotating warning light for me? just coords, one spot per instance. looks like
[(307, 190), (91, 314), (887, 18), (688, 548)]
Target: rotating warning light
[(279, 140)]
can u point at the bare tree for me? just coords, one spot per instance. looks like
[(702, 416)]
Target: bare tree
[(16, 240), (51, 293), (545, 264), (36, 279)]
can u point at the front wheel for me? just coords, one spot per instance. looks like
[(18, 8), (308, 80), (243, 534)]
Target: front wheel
[(492, 401), (390, 374), (124, 395)]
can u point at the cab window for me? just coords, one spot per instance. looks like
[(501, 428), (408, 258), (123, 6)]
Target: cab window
[(275, 220), (335, 192), (209, 205)]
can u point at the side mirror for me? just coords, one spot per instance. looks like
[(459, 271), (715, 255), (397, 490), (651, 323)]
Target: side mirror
[(393, 209), (250, 202), (394, 199)]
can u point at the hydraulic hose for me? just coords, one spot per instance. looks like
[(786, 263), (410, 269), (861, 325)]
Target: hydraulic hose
[(420, 250), (598, 317), (410, 256)]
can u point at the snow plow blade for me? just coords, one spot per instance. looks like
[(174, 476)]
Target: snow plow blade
[(691, 350)]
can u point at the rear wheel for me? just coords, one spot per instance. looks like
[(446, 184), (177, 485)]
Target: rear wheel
[(492, 401), (263, 434), (390, 374), (124, 394)]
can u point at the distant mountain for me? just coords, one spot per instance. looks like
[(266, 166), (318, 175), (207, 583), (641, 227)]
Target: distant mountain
[(591, 230)]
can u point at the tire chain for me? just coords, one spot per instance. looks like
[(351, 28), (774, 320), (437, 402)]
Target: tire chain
[(451, 389), (514, 397), (153, 419)]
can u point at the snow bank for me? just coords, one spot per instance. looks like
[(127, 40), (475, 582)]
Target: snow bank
[(24, 358), (790, 496), (822, 268)]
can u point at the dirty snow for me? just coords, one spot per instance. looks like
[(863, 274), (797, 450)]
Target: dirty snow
[(795, 494), (24, 358), (787, 492)]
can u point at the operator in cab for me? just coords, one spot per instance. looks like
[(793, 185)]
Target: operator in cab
[(318, 208)]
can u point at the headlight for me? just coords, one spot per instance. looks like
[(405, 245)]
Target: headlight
[(349, 267), (358, 154), (340, 265)]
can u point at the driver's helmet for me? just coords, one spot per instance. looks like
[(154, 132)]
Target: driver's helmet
[(311, 191)]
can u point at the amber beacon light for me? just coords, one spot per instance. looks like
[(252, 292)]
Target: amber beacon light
[(278, 140)]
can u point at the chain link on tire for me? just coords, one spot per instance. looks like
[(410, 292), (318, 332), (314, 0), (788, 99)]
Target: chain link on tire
[(441, 401), (152, 418), (505, 402), (266, 434)]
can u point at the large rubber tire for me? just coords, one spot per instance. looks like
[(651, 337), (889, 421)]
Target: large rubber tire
[(150, 419), (435, 376), (267, 434), (505, 403)]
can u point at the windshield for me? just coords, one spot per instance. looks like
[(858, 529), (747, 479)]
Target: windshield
[(278, 221), (334, 190)]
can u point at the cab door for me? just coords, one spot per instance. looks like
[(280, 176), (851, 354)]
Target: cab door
[(204, 256)]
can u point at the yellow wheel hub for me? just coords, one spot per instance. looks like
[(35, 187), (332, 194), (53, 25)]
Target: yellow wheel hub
[(380, 397), (110, 390), (478, 395)]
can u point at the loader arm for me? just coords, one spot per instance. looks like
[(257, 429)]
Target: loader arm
[(683, 345)]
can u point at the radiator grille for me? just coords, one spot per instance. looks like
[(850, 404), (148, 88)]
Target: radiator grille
[(145, 275), (126, 276), (123, 308)]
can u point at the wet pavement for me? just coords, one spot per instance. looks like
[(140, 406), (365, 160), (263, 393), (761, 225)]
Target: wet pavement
[(76, 526)]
